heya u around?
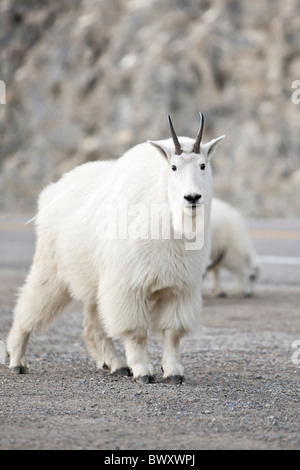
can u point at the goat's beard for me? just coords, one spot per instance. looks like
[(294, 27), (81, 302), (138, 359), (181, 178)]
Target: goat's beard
[(189, 224)]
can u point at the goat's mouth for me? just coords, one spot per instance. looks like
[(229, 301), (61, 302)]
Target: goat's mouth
[(192, 208)]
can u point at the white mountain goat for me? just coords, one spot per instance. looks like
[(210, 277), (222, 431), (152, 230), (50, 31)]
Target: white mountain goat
[(119, 236), (231, 248)]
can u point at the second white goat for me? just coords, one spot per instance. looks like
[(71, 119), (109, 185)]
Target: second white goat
[(232, 249)]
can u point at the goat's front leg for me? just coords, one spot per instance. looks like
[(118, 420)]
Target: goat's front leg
[(171, 364), (137, 357)]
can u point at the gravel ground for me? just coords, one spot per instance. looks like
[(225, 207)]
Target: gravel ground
[(241, 389)]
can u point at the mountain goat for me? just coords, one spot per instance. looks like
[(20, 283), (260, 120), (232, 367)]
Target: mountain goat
[(231, 248), (119, 236)]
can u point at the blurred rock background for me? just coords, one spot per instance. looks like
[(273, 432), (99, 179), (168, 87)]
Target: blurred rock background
[(87, 79)]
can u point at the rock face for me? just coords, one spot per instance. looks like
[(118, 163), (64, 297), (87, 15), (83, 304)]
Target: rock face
[(86, 80)]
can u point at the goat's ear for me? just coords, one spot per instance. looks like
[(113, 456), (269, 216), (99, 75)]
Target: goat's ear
[(210, 148), (163, 149)]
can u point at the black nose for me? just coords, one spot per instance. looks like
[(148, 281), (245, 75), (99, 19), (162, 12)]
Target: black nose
[(192, 198)]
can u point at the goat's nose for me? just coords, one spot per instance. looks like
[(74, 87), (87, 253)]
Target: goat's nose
[(192, 198)]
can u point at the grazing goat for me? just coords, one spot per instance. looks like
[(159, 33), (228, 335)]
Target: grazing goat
[(129, 281), (231, 248)]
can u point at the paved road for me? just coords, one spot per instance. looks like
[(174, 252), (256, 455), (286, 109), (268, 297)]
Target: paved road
[(242, 382), (278, 245)]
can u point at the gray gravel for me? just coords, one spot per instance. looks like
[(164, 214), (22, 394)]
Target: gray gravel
[(241, 389)]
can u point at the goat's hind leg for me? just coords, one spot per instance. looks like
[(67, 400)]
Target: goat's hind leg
[(41, 298), (218, 290), (100, 346)]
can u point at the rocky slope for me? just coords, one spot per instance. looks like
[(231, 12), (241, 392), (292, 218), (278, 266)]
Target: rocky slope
[(87, 79)]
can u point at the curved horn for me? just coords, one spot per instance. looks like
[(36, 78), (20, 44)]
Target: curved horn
[(178, 150), (196, 148)]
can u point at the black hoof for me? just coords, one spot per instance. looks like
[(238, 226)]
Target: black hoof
[(105, 366), (122, 371), (221, 295), (145, 379), (174, 379), (20, 370)]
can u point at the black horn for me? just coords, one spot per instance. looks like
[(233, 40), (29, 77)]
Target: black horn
[(178, 150), (196, 148)]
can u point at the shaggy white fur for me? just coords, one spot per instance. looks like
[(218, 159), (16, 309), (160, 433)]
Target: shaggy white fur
[(95, 243)]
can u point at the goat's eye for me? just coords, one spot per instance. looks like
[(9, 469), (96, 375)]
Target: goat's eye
[(174, 168), (202, 166)]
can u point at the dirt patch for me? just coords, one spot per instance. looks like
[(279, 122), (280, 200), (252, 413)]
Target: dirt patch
[(241, 389)]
